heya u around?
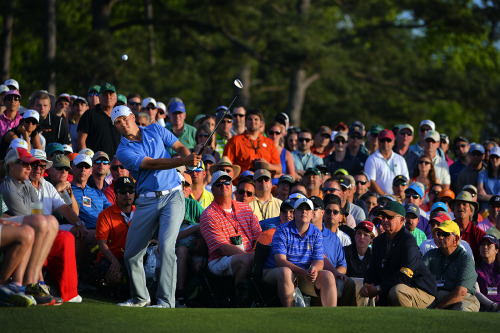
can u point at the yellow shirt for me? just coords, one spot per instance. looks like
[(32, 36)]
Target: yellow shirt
[(205, 199), (266, 210)]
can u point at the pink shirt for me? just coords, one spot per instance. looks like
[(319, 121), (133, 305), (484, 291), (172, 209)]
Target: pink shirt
[(6, 124), (485, 224)]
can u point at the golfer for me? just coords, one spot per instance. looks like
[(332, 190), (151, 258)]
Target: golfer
[(159, 204)]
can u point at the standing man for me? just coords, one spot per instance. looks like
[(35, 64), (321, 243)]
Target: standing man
[(396, 272), (224, 130), (95, 128), (402, 147), (160, 202), (93, 96), (383, 165), (431, 145), (461, 149), (425, 126), (54, 127), (239, 113), (470, 173), (303, 158), (185, 133), (134, 103), (412, 218), (198, 190)]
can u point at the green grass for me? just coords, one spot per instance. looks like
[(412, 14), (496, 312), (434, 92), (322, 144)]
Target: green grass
[(94, 315)]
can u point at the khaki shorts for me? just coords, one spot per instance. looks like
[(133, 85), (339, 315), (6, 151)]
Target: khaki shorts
[(308, 288), (221, 266)]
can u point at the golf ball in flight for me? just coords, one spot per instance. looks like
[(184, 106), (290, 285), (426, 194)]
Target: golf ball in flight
[(124, 57)]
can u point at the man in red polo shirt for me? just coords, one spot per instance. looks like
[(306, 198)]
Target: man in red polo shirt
[(252, 146), (463, 208), (230, 229)]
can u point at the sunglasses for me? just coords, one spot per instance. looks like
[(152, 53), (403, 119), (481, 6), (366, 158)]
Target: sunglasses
[(243, 192), (424, 162), (225, 182), (421, 129), (325, 136), (401, 184), (125, 192), (442, 234), (62, 168), (83, 166), (403, 133), (433, 192), (361, 182), (93, 94), (332, 211), (227, 121), (304, 139), (31, 121), (203, 135), (358, 137), (186, 184), (25, 164), (116, 167), (194, 170), (385, 140), (461, 146), (385, 216), (414, 196), (150, 108), (274, 132), (430, 141), (160, 111), (12, 98), (134, 104), (37, 166), (339, 142), (101, 162), (263, 179), (330, 189), (238, 115)]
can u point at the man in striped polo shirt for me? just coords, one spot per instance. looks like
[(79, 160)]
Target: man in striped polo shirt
[(297, 253), (230, 229)]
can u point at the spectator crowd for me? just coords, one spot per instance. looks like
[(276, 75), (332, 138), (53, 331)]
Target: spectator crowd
[(343, 215)]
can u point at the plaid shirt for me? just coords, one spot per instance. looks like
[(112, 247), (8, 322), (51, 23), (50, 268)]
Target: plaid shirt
[(218, 226)]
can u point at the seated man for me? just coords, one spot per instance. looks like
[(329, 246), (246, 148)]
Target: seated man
[(59, 178), (117, 171), (16, 240), (297, 253), (358, 256), (453, 269), (111, 233), (245, 190), (396, 272), (198, 190), (230, 229), (264, 205), (269, 225), (412, 218), (100, 169), (18, 196)]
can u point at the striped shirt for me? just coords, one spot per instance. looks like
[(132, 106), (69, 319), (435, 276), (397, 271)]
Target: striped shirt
[(218, 226), (300, 251)]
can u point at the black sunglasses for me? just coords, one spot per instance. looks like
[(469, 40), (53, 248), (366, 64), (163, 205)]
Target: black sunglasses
[(116, 167), (442, 234), (385, 140), (62, 168), (332, 211), (125, 191), (248, 193), (12, 98), (361, 182), (414, 196), (225, 182), (304, 139), (134, 104), (83, 166)]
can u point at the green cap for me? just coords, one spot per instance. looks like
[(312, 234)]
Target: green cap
[(375, 129), (121, 98), (95, 88), (107, 87), (393, 208), (314, 171)]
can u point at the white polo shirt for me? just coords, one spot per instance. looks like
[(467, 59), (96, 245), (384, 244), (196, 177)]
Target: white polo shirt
[(383, 171), (442, 170), (48, 194)]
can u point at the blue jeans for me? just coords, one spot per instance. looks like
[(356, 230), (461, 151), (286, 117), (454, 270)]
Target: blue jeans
[(167, 213)]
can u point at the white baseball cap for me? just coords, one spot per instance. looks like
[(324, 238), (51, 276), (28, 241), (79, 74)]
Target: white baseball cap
[(300, 201), (495, 151), (12, 82), (86, 151), (428, 123), (18, 143), (67, 149), (147, 101), (42, 156), (80, 158), (118, 111), (217, 175), (162, 106), (31, 114), (3, 88)]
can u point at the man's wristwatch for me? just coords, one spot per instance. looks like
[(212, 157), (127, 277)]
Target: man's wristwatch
[(79, 223)]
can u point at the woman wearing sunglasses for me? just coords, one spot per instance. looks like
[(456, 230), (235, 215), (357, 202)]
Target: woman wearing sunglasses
[(28, 130), (202, 135), (276, 132), (425, 174)]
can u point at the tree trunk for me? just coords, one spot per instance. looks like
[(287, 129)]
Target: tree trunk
[(49, 45), (148, 5), (245, 77), (101, 11), (8, 22)]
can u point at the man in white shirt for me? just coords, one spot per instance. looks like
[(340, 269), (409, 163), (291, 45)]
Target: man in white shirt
[(383, 165), (431, 145)]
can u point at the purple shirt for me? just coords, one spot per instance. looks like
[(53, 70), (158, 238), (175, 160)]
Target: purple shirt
[(6, 124), (485, 224), (488, 277)]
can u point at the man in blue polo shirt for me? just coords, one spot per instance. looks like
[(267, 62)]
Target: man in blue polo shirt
[(159, 204), (297, 253)]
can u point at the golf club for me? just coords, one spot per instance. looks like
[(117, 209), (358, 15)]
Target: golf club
[(239, 87)]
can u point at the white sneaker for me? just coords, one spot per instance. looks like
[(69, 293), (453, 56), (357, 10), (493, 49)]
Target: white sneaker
[(132, 303), (76, 299)]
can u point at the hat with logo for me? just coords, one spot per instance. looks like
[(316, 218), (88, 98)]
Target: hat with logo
[(412, 209), (53, 147), (107, 87), (288, 202), (208, 158), (494, 201), (173, 100), (121, 99), (386, 134), (344, 181), (20, 154), (439, 217), (64, 96), (246, 173), (433, 135), (177, 107), (429, 123), (439, 206), (448, 226), (82, 159), (367, 226), (67, 149), (476, 147), (317, 202), (312, 171), (465, 196), (495, 151), (359, 124), (375, 129), (285, 179), (445, 138), (87, 151), (3, 88), (12, 83), (406, 126), (261, 173), (446, 193), (356, 129), (415, 188), (340, 135), (80, 99), (303, 201), (161, 106), (325, 130), (95, 88), (124, 183), (31, 114), (393, 208), (219, 174), (223, 111), (120, 110), (399, 179), (149, 100), (100, 155), (42, 156), (18, 143), (225, 161), (490, 239)]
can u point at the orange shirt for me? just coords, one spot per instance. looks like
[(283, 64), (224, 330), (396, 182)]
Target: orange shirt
[(241, 150), (266, 237), (112, 228)]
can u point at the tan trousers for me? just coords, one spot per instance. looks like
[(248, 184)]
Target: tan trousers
[(469, 303), (362, 301), (409, 297)]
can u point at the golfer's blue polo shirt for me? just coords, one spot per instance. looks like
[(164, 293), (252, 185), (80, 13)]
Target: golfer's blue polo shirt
[(155, 140), (300, 251), (333, 248)]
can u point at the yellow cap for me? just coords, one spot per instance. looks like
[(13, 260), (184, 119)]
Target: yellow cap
[(448, 226)]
